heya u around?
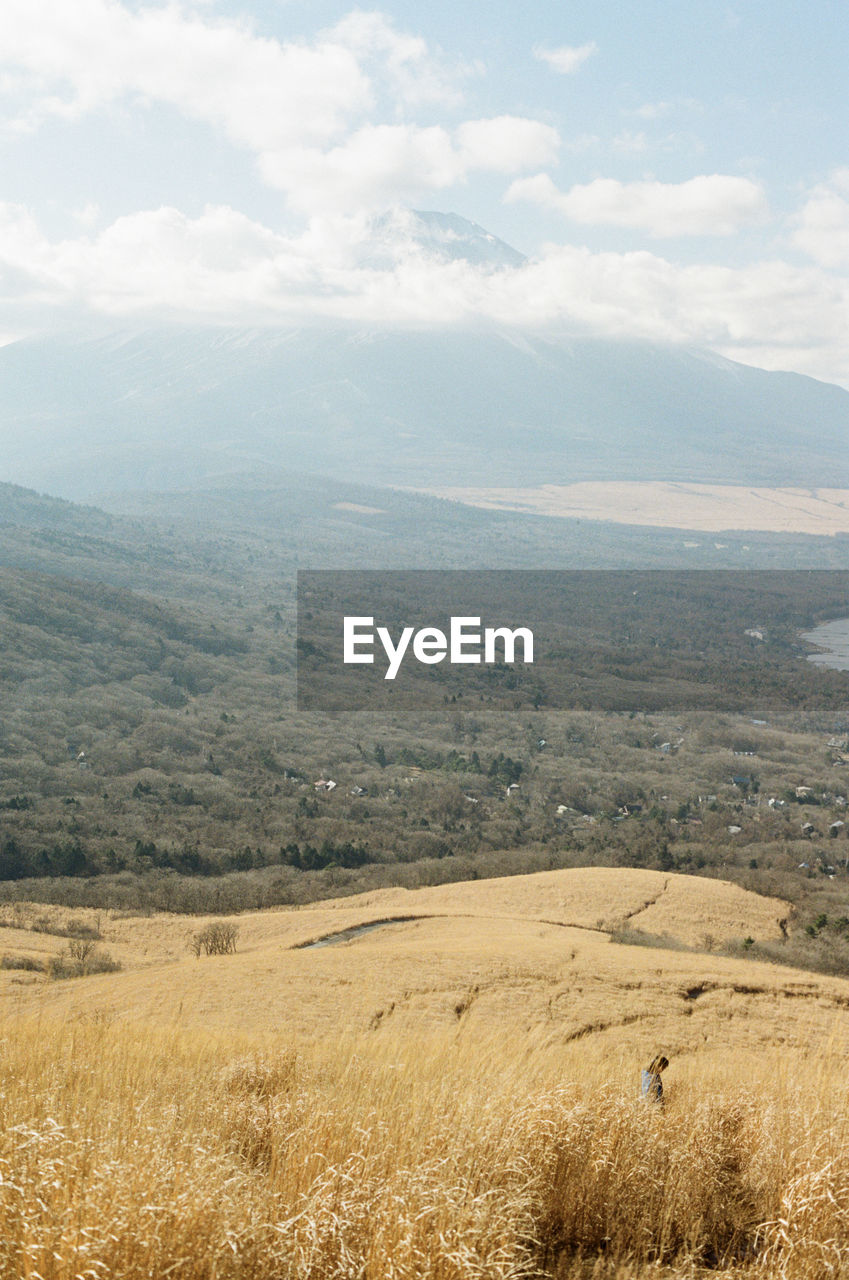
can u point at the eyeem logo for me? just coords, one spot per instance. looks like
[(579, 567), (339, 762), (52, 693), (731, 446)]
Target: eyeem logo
[(430, 645)]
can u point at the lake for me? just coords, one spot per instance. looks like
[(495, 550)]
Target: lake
[(833, 639)]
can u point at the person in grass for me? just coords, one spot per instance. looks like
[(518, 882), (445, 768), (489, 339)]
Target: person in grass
[(652, 1085)]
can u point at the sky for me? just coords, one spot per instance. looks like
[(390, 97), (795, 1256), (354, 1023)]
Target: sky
[(672, 171)]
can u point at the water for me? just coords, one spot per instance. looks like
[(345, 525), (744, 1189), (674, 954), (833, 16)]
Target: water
[(345, 935), (833, 639)]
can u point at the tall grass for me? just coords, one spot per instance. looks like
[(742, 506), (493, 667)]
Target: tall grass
[(133, 1153)]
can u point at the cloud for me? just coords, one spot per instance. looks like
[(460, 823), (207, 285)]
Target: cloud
[(629, 142), (373, 167), (224, 266), (566, 59), (710, 204), (258, 92), (337, 124), (657, 110), (823, 223), (507, 144), (88, 215), (313, 114), (415, 75), (770, 314), (380, 165), (653, 110)]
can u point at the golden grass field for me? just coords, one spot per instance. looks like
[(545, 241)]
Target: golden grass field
[(452, 1094), (673, 505)]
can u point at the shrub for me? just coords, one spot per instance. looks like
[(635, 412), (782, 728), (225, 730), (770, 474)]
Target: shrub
[(21, 962), (74, 928), (217, 939), (79, 959)]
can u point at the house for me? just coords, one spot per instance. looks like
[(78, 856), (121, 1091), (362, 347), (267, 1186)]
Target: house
[(325, 784)]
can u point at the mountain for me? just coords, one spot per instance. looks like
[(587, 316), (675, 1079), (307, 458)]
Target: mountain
[(449, 237), (90, 412)]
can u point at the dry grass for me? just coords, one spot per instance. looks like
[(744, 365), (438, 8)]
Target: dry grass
[(599, 898), (180, 1154), (526, 954), (450, 1097), (685, 907), (674, 505)]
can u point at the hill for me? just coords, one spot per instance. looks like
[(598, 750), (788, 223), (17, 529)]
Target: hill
[(531, 955), (451, 1094)]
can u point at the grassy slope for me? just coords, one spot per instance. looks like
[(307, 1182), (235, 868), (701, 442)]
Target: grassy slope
[(532, 953), (448, 1097)]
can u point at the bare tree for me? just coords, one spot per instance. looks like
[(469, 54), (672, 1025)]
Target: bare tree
[(217, 939)]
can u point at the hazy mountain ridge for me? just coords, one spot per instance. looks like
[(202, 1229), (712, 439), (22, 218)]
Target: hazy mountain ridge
[(164, 408)]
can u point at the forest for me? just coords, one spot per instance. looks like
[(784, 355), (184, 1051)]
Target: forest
[(154, 755)]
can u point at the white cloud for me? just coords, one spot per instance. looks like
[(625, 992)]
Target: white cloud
[(507, 144), (225, 266), (629, 142), (566, 59), (657, 110), (333, 125), (257, 91), (710, 204), (823, 223), (373, 167), (380, 165), (312, 114), (653, 110), (414, 74), (88, 215), (769, 314)]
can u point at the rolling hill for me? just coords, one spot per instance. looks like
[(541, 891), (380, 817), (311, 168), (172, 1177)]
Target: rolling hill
[(536, 954)]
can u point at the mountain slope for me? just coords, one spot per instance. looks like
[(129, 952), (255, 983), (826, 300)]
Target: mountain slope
[(165, 408)]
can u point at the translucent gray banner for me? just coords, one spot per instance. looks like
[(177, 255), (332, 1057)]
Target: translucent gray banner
[(630, 640)]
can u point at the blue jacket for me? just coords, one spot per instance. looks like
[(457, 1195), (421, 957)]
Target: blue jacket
[(652, 1087)]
